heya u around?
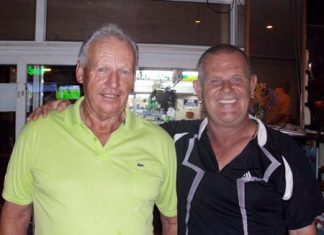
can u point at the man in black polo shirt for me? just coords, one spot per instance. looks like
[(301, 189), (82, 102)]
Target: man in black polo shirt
[(235, 175), (252, 194)]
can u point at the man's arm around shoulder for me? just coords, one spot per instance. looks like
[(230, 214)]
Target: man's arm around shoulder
[(15, 219)]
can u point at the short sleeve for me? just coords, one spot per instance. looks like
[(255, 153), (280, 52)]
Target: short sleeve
[(306, 201), (18, 179), (167, 199)]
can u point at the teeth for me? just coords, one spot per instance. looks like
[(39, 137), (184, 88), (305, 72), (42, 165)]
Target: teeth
[(227, 101), (109, 95)]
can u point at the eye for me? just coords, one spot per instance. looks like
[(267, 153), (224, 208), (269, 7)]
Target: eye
[(236, 80), (214, 82), (125, 72), (100, 71)]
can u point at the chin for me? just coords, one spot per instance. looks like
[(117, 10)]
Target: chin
[(230, 118)]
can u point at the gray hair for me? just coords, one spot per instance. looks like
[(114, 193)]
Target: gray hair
[(223, 48), (107, 31)]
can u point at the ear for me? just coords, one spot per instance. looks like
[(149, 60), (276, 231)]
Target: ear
[(197, 87), (79, 73), (253, 82)]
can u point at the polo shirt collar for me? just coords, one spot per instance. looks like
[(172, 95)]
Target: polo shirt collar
[(73, 116), (131, 121), (262, 131)]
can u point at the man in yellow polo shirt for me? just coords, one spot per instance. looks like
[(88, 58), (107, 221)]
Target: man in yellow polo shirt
[(94, 168)]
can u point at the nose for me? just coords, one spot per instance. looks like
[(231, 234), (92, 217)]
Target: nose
[(113, 79), (226, 85)]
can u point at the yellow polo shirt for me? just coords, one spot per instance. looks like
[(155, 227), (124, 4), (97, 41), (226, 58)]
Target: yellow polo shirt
[(79, 187)]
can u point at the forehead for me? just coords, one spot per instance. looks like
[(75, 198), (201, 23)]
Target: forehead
[(223, 61), (111, 47)]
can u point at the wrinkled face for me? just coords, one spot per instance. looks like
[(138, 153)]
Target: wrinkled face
[(225, 89), (108, 77)]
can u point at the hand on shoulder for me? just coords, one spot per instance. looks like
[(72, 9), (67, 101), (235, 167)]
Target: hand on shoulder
[(43, 110)]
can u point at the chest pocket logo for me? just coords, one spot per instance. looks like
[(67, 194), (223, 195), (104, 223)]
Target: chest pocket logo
[(146, 179), (140, 165)]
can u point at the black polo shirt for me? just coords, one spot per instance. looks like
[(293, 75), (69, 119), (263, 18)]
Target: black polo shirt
[(267, 189)]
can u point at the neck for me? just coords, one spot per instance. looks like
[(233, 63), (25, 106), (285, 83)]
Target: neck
[(223, 135), (227, 143), (102, 128)]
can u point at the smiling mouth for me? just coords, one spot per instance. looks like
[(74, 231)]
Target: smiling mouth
[(109, 95), (231, 101)]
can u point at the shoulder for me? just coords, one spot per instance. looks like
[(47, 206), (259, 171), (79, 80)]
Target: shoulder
[(43, 124), (149, 130), (280, 138), (286, 146)]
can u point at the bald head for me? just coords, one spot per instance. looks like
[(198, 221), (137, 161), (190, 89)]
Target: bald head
[(222, 49)]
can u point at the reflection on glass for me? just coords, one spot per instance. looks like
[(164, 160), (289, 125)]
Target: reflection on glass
[(8, 73), (17, 19), (8, 95), (7, 140), (50, 82), (162, 22)]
